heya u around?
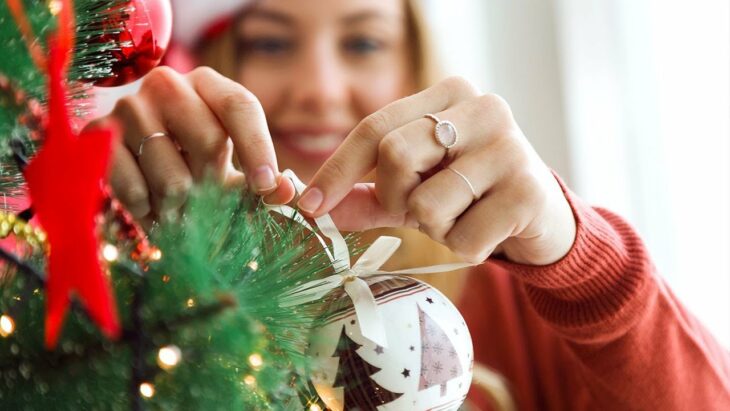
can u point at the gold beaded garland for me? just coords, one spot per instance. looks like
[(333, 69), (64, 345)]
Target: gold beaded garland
[(11, 224)]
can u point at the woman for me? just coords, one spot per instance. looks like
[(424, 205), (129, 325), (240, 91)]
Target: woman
[(567, 309)]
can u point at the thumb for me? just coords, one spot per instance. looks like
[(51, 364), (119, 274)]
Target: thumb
[(283, 193), (360, 210)]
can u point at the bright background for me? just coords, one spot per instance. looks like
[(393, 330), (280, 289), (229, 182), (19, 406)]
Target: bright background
[(629, 100)]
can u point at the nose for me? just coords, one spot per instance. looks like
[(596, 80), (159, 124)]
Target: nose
[(320, 82)]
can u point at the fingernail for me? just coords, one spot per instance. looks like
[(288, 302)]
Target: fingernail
[(263, 179), (311, 200)]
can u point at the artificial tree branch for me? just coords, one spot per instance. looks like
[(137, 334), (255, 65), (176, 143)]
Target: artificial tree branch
[(130, 335), (138, 341)]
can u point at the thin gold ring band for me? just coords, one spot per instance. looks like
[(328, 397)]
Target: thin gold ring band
[(148, 138), (468, 183)]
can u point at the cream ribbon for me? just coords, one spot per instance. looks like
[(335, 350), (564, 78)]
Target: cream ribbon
[(352, 277)]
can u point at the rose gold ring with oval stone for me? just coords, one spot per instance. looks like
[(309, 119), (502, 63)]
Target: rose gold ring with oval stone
[(445, 132)]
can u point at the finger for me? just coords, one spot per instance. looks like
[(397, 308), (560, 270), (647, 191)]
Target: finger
[(190, 121), (360, 210), (358, 153), (403, 157), (405, 154), (448, 193), (283, 194), (437, 202), (128, 184), (483, 227), (437, 231), (243, 118), (165, 171), (126, 180), (234, 179)]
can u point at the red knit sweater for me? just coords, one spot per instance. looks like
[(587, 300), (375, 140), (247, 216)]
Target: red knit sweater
[(597, 330)]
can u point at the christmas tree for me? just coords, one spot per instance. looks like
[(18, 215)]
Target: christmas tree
[(185, 316), (354, 374), (438, 352)]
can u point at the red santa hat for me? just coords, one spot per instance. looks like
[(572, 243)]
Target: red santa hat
[(194, 20)]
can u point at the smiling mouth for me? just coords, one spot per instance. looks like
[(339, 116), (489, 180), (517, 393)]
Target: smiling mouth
[(312, 145)]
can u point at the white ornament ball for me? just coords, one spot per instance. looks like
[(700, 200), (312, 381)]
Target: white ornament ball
[(427, 364)]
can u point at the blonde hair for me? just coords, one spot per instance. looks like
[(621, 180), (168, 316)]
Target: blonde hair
[(417, 248)]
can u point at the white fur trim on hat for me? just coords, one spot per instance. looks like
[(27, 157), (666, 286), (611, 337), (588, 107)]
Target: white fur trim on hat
[(191, 18)]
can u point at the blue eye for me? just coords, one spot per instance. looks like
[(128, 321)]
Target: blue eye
[(362, 45)]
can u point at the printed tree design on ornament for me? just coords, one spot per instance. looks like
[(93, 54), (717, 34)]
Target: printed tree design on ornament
[(439, 360), (353, 374)]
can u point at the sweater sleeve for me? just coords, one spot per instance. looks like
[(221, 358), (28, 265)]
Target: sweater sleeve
[(634, 344)]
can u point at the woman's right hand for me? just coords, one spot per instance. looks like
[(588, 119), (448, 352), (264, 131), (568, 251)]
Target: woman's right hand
[(206, 118)]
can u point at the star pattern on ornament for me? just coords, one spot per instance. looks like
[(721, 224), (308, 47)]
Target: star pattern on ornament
[(378, 350), (429, 300), (437, 348), (406, 373), (412, 348), (352, 322)]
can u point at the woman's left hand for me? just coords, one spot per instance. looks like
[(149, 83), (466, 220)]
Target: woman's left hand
[(519, 208)]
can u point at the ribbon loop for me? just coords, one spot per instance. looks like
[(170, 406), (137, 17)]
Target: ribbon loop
[(351, 278)]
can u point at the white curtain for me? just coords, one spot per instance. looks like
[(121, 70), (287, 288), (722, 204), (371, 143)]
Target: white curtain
[(647, 96)]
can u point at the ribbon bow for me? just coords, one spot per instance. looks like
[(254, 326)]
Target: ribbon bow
[(351, 277)]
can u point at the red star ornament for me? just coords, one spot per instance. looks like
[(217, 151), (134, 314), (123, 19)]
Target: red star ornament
[(66, 181)]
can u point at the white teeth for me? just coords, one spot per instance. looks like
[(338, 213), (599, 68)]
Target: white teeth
[(316, 143)]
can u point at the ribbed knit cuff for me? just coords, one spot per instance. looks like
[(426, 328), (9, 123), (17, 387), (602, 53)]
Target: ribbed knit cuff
[(599, 289)]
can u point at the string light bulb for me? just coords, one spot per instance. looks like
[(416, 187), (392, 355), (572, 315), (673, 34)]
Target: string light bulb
[(255, 360), (147, 390), (55, 6), (110, 253), (155, 254), (7, 325), (250, 380), (168, 357), (253, 265), (315, 407)]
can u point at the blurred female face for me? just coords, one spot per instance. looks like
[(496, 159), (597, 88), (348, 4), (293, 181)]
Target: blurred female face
[(319, 67)]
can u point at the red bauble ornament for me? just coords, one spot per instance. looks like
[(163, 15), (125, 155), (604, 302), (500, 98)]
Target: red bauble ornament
[(145, 33)]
